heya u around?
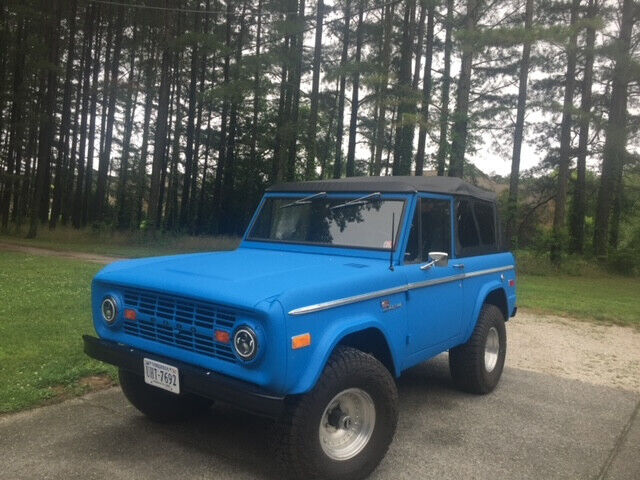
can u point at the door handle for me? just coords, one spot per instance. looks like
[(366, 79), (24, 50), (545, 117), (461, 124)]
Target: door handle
[(459, 266)]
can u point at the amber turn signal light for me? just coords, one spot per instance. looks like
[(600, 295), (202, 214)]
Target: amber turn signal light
[(301, 341), (130, 314), (222, 336)]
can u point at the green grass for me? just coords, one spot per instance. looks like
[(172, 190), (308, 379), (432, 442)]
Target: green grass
[(130, 244), (579, 287), (43, 313), (607, 298)]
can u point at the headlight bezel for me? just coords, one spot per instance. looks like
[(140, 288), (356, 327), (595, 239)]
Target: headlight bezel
[(109, 303), (246, 335)]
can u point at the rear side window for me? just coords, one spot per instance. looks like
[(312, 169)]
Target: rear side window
[(475, 228), (468, 237), (486, 222)]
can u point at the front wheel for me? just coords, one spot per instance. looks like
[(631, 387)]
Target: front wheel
[(343, 427), (477, 365), (160, 405)]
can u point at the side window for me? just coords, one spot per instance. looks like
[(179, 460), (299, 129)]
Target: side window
[(487, 223), (435, 218), (467, 232)]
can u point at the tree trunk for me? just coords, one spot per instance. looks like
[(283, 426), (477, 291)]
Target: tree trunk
[(426, 92), (382, 100), (351, 152), (88, 183), (102, 196), (90, 14), (276, 168), (461, 114), (141, 182), (443, 144), (292, 153), (565, 140), (191, 118), (16, 132), (512, 207), (578, 208), (402, 150), (616, 133), (229, 200), (254, 168), (413, 106), (222, 149), (48, 90), (63, 135), (337, 166), (315, 89), (171, 213), (160, 136), (123, 216)]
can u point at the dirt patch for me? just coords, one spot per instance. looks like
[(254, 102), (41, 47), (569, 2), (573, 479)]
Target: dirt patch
[(96, 382), (606, 355), (93, 383), (87, 257)]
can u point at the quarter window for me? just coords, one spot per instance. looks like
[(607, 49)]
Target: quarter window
[(468, 237), (476, 228), (486, 222)]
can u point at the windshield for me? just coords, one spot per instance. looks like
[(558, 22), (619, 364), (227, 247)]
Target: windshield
[(358, 222)]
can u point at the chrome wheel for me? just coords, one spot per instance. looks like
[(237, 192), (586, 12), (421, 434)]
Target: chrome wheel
[(491, 349), (347, 424)]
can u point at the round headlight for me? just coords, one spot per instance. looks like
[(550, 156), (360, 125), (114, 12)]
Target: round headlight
[(109, 310), (245, 342)]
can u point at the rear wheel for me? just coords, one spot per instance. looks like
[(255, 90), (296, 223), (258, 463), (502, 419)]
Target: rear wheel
[(477, 365), (160, 405), (343, 427)]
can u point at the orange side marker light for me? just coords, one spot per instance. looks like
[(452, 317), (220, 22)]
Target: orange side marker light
[(301, 341), (222, 336)]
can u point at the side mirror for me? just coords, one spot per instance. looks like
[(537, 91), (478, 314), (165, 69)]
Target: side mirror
[(438, 259)]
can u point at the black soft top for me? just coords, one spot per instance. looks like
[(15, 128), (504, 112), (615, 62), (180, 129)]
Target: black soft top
[(389, 184)]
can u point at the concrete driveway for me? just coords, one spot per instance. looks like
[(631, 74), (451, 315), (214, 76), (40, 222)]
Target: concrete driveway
[(534, 426)]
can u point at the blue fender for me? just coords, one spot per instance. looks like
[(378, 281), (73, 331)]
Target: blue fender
[(331, 337), (482, 296)]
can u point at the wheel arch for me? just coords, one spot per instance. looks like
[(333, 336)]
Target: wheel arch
[(372, 341), (354, 333), (492, 293)]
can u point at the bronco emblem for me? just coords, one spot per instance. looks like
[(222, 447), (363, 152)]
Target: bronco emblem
[(387, 306)]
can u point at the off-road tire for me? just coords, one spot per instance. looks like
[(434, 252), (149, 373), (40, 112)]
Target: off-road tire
[(467, 362), (298, 447), (159, 405)]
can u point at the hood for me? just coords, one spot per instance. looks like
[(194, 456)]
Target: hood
[(247, 276)]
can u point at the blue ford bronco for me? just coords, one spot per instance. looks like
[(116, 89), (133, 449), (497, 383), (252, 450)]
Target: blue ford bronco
[(337, 287)]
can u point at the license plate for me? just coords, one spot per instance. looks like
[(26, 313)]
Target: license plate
[(161, 375)]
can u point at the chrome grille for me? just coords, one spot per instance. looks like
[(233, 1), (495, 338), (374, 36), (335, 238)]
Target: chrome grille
[(179, 322)]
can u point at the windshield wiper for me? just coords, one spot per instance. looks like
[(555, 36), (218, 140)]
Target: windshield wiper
[(305, 200), (357, 201)]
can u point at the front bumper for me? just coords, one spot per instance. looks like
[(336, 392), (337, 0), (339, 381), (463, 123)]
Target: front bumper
[(197, 380)]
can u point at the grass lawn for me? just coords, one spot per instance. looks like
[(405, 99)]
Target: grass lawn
[(43, 313), (608, 298), (130, 244)]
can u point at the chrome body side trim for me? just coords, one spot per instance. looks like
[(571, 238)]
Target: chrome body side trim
[(392, 291)]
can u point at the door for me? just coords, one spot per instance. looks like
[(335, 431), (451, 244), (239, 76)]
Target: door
[(434, 303)]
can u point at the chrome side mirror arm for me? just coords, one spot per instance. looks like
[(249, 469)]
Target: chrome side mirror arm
[(437, 259)]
